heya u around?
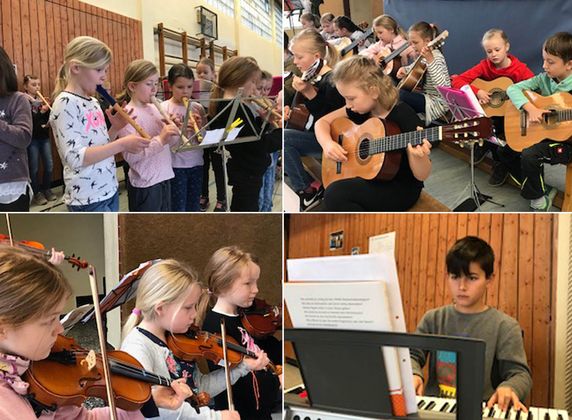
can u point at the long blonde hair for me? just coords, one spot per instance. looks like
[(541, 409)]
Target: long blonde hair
[(368, 77), (84, 51), (224, 267), (315, 43), (164, 282), (137, 71), (233, 73), (389, 23), (30, 287)]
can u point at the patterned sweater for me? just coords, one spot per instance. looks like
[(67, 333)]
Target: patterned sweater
[(78, 123)]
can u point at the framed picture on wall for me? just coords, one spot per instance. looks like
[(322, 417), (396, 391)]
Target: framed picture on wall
[(208, 22)]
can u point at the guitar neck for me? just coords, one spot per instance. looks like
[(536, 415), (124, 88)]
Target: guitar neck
[(563, 115), (400, 141), (356, 42), (395, 53)]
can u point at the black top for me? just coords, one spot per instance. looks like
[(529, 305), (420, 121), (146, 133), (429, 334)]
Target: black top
[(244, 391), (39, 121), (253, 157), (407, 120), (327, 99)]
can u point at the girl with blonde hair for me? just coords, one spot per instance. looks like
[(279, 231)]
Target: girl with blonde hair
[(369, 93), (33, 294), (390, 37), (150, 171), (249, 160), (169, 299), (320, 98), (232, 275), (85, 146)]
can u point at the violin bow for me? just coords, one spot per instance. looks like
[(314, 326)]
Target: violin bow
[(226, 367), (102, 343), (9, 229)]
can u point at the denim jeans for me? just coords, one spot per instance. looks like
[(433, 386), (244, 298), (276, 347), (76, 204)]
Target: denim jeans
[(111, 204), (186, 188), (267, 190), (40, 148), (297, 144)]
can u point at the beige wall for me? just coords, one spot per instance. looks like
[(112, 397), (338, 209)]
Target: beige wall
[(235, 36), (81, 234)]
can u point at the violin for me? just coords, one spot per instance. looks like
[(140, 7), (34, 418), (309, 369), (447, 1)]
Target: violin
[(38, 248), (261, 319), (201, 344), (71, 374)]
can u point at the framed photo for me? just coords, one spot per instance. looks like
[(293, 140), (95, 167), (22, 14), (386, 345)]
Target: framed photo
[(208, 21)]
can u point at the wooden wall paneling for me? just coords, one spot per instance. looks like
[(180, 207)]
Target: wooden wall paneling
[(17, 53), (473, 224), (27, 29), (1, 25), (462, 221), (542, 323), (432, 259), (496, 244), (83, 18), (57, 44), (406, 285), (509, 263), (423, 245), (43, 36), (414, 309), (440, 274), (7, 28), (526, 277)]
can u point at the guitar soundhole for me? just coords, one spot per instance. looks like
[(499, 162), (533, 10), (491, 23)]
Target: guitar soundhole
[(498, 98), (551, 118), (363, 151)]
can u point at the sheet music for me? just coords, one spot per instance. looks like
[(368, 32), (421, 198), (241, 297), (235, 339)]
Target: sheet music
[(214, 136), (74, 316)]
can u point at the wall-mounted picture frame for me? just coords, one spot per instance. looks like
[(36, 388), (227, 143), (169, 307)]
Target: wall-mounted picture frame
[(208, 21)]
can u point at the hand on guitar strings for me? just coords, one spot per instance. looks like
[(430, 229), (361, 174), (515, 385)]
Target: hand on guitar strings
[(304, 88), (335, 152), (535, 115), (503, 397), (483, 96), (427, 53), (421, 150)]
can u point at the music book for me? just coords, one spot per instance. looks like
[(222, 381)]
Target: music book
[(74, 316), (354, 293)]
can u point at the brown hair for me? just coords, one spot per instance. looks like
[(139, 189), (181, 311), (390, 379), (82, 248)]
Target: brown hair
[(327, 17), (310, 17), (347, 23), (266, 75), (225, 266), (494, 32), (425, 30), (389, 23), (30, 287), (233, 73), (369, 77), (8, 80), (316, 44), (207, 62), (136, 72), (560, 45)]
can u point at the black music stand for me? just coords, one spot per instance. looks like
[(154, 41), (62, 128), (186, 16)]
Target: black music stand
[(322, 354), (461, 108), (237, 101)]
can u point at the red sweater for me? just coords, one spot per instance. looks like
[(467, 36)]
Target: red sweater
[(517, 72)]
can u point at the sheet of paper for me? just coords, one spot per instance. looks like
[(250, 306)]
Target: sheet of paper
[(74, 316), (382, 244), (353, 270), (214, 136)]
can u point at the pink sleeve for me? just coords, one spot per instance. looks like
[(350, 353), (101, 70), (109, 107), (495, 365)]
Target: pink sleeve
[(77, 413), (372, 50)]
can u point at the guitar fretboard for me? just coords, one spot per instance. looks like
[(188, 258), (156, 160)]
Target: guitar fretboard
[(564, 115), (400, 141)]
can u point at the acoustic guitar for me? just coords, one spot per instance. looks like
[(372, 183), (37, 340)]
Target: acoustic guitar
[(499, 99), (346, 47), (373, 147), (299, 114), (417, 71), (556, 125), (390, 61)]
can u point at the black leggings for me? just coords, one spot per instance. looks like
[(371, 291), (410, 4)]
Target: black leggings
[(21, 204), (358, 194)]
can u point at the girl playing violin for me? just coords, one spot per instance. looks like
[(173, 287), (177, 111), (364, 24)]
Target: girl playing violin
[(32, 296), (232, 276), (168, 298)]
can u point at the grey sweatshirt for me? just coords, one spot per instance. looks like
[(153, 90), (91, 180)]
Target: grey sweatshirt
[(505, 358)]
